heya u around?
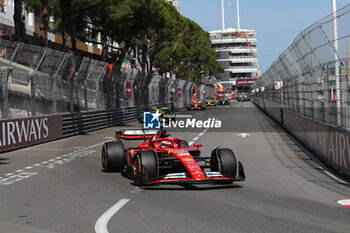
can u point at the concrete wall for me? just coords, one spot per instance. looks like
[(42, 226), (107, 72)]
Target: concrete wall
[(330, 144)]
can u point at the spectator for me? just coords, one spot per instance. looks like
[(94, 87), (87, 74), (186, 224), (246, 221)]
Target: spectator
[(35, 62)]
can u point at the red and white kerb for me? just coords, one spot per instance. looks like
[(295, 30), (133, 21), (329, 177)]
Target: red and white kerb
[(345, 203)]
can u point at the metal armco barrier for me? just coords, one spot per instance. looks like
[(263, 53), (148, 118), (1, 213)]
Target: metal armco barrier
[(28, 131), (79, 123)]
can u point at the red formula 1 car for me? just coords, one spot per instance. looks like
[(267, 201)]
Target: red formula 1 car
[(161, 159), (196, 105)]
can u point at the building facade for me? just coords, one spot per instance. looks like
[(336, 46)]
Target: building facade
[(175, 3), (236, 56), (32, 24)]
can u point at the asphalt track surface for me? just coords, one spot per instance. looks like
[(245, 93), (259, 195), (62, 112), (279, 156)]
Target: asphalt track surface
[(59, 186)]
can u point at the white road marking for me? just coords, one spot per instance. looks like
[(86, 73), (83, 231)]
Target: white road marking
[(14, 178), (76, 147), (243, 135), (197, 137), (48, 149), (136, 190), (101, 224), (51, 163), (345, 203)]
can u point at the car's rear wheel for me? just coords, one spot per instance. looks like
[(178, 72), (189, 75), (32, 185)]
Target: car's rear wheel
[(223, 160), (145, 166), (113, 157)]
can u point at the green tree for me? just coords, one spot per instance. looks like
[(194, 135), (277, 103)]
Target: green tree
[(190, 57), (151, 29)]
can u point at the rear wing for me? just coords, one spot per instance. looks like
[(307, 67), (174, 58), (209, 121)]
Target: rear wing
[(135, 134)]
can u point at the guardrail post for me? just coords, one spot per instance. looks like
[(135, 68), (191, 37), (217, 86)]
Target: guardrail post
[(326, 96), (98, 82), (344, 97), (94, 63), (54, 86), (32, 91), (32, 75), (5, 73)]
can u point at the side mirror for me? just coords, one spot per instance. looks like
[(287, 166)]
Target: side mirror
[(198, 145)]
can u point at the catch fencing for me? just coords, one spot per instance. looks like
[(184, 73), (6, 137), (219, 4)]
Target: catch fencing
[(315, 71), (39, 81), (307, 89)]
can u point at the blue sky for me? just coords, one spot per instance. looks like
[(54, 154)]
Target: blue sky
[(276, 22)]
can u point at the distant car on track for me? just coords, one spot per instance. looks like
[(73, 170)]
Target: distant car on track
[(196, 105), (161, 159), (224, 102), (211, 101)]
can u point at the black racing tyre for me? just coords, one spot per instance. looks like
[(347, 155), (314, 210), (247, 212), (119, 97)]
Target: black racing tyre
[(149, 160), (223, 160), (113, 157)]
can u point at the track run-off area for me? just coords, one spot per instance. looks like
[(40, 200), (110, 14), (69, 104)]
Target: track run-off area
[(59, 186)]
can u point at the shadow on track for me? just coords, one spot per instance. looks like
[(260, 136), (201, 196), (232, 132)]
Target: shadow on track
[(189, 187), (4, 163)]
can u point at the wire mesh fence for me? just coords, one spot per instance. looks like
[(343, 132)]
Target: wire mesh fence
[(37, 80), (314, 71)]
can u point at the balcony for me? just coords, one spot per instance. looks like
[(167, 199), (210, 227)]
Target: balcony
[(238, 49), (233, 40), (242, 69), (238, 59)]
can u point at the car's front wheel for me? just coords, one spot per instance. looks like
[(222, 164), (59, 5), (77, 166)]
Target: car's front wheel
[(113, 157), (145, 166), (223, 160)]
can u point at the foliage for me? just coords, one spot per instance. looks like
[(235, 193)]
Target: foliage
[(132, 28)]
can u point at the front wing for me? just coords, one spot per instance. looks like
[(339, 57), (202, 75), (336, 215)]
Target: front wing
[(217, 178), (220, 180)]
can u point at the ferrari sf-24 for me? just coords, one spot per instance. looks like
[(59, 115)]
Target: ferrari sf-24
[(152, 157)]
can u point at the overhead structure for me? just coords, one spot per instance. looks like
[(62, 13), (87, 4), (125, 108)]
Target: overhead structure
[(223, 14), (236, 52), (238, 20)]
